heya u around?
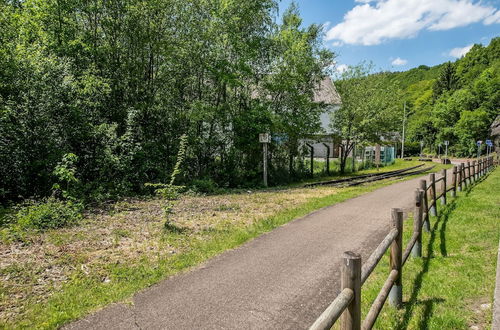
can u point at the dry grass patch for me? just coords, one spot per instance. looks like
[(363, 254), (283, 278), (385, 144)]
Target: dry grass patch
[(125, 233)]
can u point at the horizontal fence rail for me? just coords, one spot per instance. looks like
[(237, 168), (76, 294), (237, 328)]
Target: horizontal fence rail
[(347, 305)]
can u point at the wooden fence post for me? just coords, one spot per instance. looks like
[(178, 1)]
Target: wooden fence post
[(464, 177), (433, 209), (416, 251), (443, 188), (423, 186), (474, 170), (478, 172), (312, 159), (396, 294), (459, 177), (454, 181), (351, 278), (327, 158), (468, 172)]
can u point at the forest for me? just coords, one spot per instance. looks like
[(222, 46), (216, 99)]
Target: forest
[(95, 95), (455, 102)]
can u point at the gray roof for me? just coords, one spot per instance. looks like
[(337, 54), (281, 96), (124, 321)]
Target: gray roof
[(327, 93), (495, 127)]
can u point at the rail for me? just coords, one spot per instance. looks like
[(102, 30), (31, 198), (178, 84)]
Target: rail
[(365, 176), (347, 305)]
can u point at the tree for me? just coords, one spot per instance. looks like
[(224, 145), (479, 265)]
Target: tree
[(370, 110), (472, 126), (447, 80), (300, 64)]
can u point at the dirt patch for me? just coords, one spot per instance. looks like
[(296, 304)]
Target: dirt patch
[(481, 318)]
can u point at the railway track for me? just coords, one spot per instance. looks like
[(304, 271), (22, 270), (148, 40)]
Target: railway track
[(354, 181)]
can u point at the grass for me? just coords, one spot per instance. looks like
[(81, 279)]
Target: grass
[(452, 286), (58, 276)]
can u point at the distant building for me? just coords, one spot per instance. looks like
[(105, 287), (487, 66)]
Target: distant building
[(325, 93), (495, 134)]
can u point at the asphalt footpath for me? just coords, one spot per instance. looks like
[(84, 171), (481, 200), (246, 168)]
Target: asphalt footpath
[(281, 280)]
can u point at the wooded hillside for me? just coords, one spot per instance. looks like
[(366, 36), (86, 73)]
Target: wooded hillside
[(454, 101)]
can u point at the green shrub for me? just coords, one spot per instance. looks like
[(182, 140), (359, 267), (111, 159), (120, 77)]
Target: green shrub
[(48, 214), (207, 186)]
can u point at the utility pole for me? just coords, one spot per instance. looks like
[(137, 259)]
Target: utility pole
[(403, 140)]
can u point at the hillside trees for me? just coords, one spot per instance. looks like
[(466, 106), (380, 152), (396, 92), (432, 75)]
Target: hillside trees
[(454, 101)]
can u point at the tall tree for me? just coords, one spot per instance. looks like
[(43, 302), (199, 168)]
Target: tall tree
[(370, 110)]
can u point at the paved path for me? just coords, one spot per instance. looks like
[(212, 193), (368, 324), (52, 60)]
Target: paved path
[(281, 280), (496, 304)]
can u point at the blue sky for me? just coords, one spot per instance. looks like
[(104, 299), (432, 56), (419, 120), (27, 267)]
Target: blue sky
[(401, 34)]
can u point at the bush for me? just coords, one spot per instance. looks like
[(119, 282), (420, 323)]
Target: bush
[(207, 186), (48, 214)]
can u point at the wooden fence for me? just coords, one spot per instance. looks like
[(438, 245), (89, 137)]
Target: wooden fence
[(347, 305)]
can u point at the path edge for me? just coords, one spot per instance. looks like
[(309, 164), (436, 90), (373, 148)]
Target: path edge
[(496, 300)]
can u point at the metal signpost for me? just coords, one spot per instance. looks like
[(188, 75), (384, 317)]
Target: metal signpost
[(439, 152), (489, 145), (265, 139), (421, 146), (479, 148), (446, 152)]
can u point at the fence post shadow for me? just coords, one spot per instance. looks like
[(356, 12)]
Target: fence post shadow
[(428, 311), (439, 224)]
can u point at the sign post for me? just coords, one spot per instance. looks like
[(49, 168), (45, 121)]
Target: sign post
[(439, 152), (265, 139), (489, 143), (421, 146), (479, 148), (446, 152)]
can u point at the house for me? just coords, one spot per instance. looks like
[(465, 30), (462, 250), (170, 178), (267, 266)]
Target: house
[(324, 144), (495, 134)]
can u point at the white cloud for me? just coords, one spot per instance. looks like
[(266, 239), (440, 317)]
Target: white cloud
[(460, 51), (337, 44), (493, 19), (342, 68), (399, 61), (373, 22)]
